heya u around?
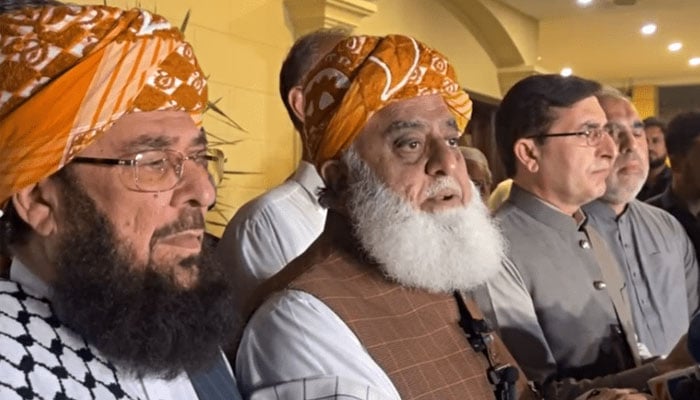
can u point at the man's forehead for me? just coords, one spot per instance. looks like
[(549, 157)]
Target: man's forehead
[(415, 108), (584, 111), (653, 130), (152, 130), (619, 109)]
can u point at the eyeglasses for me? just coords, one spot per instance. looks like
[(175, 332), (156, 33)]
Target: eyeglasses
[(593, 134), (159, 170)]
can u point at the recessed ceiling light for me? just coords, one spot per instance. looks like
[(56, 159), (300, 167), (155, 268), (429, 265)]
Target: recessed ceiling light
[(675, 46), (648, 29), (694, 62), (584, 3), (566, 71)]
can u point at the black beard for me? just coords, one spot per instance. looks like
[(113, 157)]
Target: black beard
[(657, 162), (140, 319)]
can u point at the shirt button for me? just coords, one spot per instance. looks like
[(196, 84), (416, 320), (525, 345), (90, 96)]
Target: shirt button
[(599, 285), (584, 244)]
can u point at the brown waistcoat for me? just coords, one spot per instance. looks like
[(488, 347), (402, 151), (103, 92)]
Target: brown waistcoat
[(412, 334)]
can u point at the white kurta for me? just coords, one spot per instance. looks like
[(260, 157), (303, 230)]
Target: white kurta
[(42, 358), (295, 347), (272, 230)]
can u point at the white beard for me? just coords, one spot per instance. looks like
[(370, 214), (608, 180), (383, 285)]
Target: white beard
[(456, 249)]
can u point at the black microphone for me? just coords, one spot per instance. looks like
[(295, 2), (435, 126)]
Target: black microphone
[(694, 338), (510, 377), (504, 378)]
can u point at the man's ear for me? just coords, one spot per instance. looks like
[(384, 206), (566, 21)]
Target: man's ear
[(527, 153), (295, 98), (36, 205), (335, 176)]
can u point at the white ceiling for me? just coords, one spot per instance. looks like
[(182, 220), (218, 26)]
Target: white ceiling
[(602, 41), (547, 9)]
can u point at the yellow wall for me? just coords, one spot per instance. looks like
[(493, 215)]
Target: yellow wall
[(241, 45), (521, 28), (645, 100)]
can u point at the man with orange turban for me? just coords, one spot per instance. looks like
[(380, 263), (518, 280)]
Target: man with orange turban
[(374, 308), (105, 177)]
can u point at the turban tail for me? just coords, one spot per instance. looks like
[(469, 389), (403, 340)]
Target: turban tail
[(362, 75), (67, 73)]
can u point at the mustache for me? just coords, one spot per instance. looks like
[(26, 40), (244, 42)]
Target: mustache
[(188, 220), (441, 184)]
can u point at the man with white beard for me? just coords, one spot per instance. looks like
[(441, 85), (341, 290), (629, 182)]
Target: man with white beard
[(372, 309), (649, 244)]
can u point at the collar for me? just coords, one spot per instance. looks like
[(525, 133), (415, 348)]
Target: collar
[(309, 179), (19, 273), (545, 212), (602, 210)]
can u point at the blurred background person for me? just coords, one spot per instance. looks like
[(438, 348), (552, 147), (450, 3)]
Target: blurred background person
[(479, 171), (682, 197), (659, 177), (271, 230)]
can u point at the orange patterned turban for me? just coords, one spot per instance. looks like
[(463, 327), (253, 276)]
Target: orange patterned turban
[(362, 75), (68, 72)]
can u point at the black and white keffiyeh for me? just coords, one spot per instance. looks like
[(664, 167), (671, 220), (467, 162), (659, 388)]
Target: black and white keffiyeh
[(42, 359)]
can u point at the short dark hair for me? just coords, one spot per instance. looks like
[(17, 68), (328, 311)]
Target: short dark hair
[(526, 109), (303, 55), (683, 129), (14, 231), (653, 122), (10, 5)]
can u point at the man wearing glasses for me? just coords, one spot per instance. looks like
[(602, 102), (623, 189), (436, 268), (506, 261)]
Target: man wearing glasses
[(654, 252), (557, 301), (105, 178)]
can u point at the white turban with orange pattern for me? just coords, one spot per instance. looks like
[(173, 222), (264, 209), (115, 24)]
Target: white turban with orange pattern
[(68, 72), (362, 75)]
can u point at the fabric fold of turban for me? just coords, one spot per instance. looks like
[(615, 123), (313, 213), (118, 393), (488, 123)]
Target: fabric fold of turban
[(362, 75), (68, 72)]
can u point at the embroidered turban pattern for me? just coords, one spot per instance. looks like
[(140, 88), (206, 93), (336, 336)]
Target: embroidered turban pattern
[(362, 75), (68, 72)]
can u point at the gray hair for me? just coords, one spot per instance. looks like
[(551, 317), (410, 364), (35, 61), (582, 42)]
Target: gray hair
[(11, 5)]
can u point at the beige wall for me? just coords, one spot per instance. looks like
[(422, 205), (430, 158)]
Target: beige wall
[(241, 45)]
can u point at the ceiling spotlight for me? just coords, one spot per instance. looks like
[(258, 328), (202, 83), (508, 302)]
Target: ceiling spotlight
[(675, 46), (694, 62), (648, 29), (566, 71), (584, 3)]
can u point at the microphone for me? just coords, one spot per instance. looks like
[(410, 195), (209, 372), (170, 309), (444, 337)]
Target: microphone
[(505, 378), (694, 338)]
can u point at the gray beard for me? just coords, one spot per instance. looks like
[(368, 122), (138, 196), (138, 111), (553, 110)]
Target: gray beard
[(456, 249)]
